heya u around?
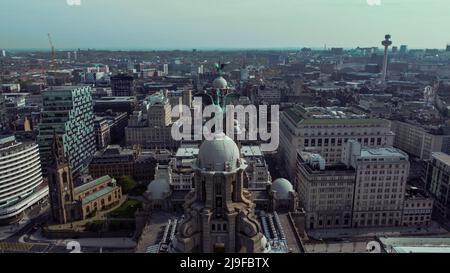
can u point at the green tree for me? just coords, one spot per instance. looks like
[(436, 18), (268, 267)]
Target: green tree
[(127, 183)]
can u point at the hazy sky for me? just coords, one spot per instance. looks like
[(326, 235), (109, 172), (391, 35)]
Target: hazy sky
[(186, 24)]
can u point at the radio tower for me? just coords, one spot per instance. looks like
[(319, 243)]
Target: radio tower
[(386, 43)]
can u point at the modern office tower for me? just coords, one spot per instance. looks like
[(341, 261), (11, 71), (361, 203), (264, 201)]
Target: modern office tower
[(151, 127), (325, 192), (324, 131), (257, 171), (122, 85), (386, 43), (419, 140), (219, 214), (381, 175), (21, 183), (438, 183), (67, 111)]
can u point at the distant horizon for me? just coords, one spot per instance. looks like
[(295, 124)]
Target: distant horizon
[(217, 24), (287, 48)]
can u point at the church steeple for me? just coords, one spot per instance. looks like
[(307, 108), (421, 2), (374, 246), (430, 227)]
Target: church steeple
[(60, 184), (58, 157)]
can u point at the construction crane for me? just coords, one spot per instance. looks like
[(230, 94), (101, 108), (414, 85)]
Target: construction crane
[(53, 52)]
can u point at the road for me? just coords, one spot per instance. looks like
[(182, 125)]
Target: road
[(21, 241)]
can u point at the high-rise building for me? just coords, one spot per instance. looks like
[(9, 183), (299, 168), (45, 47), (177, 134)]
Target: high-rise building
[(419, 140), (122, 85), (151, 127), (324, 131), (219, 214), (438, 182), (325, 192), (21, 182), (67, 111), (381, 175)]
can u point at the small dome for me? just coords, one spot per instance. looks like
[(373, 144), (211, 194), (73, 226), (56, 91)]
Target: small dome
[(158, 188), (215, 154), (220, 83), (282, 187)]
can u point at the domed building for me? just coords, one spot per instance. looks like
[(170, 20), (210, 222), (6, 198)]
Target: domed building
[(220, 83), (219, 213), (283, 195)]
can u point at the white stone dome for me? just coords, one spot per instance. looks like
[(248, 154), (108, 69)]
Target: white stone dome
[(220, 83), (158, 188), (216, 154), (282, 187)]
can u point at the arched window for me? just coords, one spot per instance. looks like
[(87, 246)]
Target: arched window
[(64, 177)]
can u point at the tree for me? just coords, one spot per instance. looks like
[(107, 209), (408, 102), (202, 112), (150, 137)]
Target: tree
[(127, 183)]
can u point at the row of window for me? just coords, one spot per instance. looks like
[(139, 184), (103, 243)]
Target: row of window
[(339, 141)]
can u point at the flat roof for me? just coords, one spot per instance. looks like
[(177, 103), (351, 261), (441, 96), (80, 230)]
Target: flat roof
[(187, 152), (251, 151), (417, 244), (382, 152), (443, 157)]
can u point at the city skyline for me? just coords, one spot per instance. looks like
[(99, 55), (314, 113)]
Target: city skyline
[(232, 24)]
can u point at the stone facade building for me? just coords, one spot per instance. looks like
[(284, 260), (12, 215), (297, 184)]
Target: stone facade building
[(219, 214), (325, 131)]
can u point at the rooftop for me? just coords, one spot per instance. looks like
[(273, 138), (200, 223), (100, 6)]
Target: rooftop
[(187, 152), (327, 115), (92, 183), (443, 157), (115, 99), (97, 194), (416, 244), (382, 153), (251, 151)]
